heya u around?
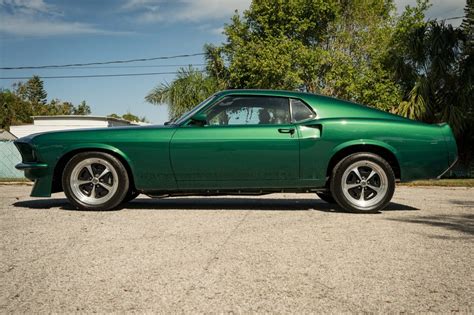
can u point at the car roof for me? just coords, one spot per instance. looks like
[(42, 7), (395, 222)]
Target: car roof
[(267, 92), (325, 106)]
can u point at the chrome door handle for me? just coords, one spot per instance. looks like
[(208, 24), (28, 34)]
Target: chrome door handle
[(287, 130)]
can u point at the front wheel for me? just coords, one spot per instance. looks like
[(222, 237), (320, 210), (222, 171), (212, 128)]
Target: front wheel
[(95, 181), (363, 183)]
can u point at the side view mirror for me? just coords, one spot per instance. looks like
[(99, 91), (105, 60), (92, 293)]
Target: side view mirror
[(199, 119)]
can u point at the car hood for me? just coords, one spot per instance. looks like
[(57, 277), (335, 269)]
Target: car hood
[(82, 134)]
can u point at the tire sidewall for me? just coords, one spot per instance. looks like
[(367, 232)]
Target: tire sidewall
[(336, 182), (119, 195)]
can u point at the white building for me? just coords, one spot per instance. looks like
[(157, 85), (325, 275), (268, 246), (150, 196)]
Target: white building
[(57, 123)]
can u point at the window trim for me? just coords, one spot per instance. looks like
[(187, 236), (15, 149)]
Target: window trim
[(293, 121), (185, 118)]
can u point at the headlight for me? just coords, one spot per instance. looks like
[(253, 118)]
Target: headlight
[(26, 151)]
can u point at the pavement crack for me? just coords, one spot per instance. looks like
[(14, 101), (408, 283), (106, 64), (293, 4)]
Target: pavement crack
[(214, 257), (216, 253)]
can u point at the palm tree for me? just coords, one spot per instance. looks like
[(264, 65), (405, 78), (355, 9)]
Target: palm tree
[(190, 87), (429, 67)]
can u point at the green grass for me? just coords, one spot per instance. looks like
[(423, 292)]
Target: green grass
[(455, 182)]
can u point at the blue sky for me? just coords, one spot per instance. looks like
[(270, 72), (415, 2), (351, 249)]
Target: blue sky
[(44, 32)]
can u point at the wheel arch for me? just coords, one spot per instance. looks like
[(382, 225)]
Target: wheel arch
[(385, 151), (66, 156)]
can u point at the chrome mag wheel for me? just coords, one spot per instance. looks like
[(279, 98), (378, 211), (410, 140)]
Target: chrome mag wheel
[(364, 184), (94, 181)]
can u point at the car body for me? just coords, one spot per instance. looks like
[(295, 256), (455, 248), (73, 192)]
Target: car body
[(247, 142)]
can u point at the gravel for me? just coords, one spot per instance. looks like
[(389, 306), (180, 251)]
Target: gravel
[(284, 253)]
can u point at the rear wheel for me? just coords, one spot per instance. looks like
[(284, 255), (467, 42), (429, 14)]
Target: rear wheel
[(95, 181), (363, 183)]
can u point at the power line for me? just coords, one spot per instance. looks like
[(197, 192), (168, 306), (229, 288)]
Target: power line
[(94, 75), (102, 63), (122, 67), (453, 18)]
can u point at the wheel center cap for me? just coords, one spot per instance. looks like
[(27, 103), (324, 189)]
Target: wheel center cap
[(363, 183), (95, 180)]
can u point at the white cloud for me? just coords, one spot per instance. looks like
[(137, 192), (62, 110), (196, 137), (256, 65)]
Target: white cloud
[(37, 18), (28, 6), (198, 10), (26, 26), (210, 28), (440, 9), (217, 31), (135, 4), (151, 14), (184, 10)]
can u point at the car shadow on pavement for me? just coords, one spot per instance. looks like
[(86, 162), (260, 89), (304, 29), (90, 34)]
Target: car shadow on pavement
[(267, 204), (459, 223), (467, 203)]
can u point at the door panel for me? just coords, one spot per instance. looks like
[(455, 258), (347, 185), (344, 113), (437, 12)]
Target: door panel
[(235, 156), (311, 149)]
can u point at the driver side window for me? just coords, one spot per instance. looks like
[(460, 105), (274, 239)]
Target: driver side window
[(250, 110)]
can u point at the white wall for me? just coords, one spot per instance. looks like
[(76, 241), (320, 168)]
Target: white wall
[(58, 123)]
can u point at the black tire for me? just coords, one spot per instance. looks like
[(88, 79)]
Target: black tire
[(326, 196), (131, 194), (356, 190), (105, 189)]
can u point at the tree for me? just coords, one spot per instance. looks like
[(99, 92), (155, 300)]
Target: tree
[(190, 87), (428, 67), (58, 107), (466, 140), (34, 93), (467, 25), (82, 109), (29, 99), (330, 47), (7, 98), (467, 75), (130, 117), (432, 63), (13, 110)]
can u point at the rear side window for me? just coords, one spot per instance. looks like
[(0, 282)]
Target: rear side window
[(300, 111)]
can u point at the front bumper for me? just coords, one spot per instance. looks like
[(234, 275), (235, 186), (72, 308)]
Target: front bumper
[(30, 166), (40, 174)]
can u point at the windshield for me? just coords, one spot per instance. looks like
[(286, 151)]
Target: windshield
[(190, 113)]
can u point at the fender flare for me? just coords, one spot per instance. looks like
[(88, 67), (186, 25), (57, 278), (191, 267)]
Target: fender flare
[(392, 155), (377, 143)]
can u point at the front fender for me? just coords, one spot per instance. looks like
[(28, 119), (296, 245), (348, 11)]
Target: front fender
[(44, 178), (96, 146)]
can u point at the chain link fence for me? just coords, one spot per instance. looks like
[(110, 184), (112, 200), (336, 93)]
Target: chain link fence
[(461, 171), (9, 157)]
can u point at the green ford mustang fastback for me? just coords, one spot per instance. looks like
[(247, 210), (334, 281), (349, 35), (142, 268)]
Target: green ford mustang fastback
[(243, 142)]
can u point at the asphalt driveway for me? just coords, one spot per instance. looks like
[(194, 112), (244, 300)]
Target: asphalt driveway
[(274, 253)]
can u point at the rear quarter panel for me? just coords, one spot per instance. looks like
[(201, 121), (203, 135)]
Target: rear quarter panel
[(419, 148)]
